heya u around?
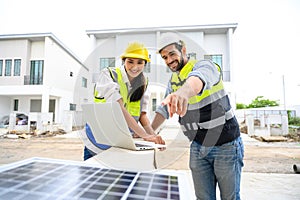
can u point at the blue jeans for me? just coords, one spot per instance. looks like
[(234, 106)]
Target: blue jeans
[(220, 165)]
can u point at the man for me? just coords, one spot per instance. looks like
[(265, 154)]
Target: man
[(196, 93)]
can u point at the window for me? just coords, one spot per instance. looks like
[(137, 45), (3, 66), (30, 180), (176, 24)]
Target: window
[(8, 67), (84, 82), (153, 104), (17, 67), (107, 62), (72, 107), (147, 68), (216, 59), (36, 72), (16, 104), (1, 67), (35, 105), (192, 56), (219, 60)]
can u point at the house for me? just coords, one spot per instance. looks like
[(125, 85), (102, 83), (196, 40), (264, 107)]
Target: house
[(38, 77), (42, 78), (203, 42)]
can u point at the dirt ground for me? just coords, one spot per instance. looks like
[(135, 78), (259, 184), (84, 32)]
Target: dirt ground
[(260, 157)]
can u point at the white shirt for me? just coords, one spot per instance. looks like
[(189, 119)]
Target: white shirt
[(110, 90)]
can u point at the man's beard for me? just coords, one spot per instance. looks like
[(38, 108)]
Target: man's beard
[(179, 66)]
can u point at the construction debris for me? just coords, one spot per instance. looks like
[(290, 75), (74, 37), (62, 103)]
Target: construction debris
[(27, 135), (274, 139)]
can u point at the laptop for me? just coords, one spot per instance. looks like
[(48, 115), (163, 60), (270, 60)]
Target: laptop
[(109, 126)]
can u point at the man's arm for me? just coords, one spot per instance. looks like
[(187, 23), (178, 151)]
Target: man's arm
[(161, 112), (157, 121), (177, 102)]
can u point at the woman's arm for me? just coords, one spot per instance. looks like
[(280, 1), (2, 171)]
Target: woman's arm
[(131, 122), (144, 120)]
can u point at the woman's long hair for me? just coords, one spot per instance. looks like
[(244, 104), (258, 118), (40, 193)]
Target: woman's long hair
[(139, 85)]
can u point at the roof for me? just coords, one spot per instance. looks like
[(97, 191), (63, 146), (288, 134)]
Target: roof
[(208, 29), (33, 37)]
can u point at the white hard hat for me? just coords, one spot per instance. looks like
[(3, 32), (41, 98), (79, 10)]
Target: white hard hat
[(167, 39)]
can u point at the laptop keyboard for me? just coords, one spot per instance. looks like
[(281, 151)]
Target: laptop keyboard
[(142, 145)]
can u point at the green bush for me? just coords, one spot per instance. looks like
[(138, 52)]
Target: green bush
[(240, 106), (294, 121)]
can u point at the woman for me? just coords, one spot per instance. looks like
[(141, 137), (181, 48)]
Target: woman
[(127, 85)]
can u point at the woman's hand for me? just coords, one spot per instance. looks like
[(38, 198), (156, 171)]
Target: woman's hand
[(157, 139)]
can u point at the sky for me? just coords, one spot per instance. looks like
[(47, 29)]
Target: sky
[(266, 43)]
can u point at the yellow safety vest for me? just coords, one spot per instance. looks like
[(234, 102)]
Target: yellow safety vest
[(134, 108), (206, 111), (209, 115)]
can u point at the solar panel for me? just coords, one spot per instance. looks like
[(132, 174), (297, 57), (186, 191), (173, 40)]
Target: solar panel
[(40, 178)]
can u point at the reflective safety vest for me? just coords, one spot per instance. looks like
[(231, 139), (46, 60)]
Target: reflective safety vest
[(134, 108), (205, 111)]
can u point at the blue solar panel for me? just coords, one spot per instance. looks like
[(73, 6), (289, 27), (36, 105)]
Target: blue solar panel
[(53, 179)]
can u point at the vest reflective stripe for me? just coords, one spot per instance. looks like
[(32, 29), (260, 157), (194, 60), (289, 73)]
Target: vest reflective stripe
[(134, 108), (206, 125), (206, 101)]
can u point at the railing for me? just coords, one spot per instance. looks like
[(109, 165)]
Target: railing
[(33, 80), (241, 114)]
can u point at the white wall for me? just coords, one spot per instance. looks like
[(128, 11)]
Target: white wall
[(57, 67), (195, 43), (14, 49), (215, 43), (37, 50), (4, 106)]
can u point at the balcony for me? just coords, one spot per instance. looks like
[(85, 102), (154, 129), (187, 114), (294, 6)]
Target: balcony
[(35, 80)]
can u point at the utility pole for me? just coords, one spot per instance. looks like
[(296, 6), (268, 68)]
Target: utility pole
[(283, 87)]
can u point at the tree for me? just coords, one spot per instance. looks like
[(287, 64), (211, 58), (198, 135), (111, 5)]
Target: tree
[(258, 102)]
